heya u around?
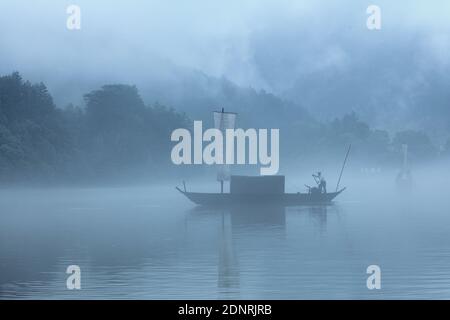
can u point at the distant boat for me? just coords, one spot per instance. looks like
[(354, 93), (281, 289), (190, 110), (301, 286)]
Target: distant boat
[(404, 179), (257, 190)]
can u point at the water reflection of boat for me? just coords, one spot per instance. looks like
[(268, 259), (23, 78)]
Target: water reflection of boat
[(258, 215), (245, 215), (320, 215), (228, 267)]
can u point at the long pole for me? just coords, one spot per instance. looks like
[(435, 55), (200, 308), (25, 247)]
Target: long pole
[(343, 166)]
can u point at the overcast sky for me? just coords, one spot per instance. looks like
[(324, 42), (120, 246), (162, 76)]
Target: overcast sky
[(259, 43)]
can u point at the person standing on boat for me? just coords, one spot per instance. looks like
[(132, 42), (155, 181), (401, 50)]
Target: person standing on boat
[(321, 182)]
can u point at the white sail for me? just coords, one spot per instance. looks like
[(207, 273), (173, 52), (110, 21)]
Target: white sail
[(222, 121)]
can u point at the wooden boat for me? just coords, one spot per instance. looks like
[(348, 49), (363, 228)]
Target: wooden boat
[(284, 199), (257, 190)]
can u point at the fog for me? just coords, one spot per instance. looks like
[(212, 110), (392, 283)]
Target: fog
[(151, 243), (290, 48), (86, 175)]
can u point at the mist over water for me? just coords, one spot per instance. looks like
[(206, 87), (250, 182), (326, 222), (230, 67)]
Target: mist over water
[(87, 179), (151, 242)]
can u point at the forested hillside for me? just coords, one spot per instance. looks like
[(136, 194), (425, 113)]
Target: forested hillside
[(116, 135)]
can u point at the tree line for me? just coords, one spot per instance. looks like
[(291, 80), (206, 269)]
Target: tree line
[(116, 135)]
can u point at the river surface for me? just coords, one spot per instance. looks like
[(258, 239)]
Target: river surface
[(151, 243)]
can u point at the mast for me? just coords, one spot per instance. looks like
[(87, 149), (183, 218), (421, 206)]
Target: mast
[(222, 121)]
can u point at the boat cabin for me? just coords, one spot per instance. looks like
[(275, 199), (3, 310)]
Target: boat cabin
[(257, 184)]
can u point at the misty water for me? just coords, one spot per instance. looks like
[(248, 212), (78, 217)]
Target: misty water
[(149, 242)]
